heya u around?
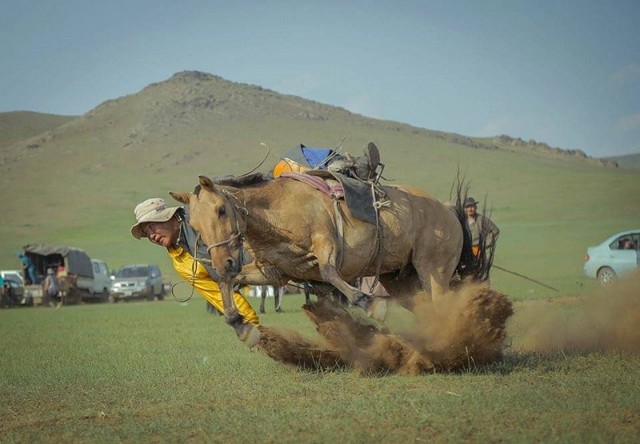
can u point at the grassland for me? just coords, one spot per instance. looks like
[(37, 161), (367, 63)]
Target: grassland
[(169, 372)]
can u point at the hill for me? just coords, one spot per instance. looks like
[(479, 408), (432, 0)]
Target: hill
[(626, 161), (78, 182), (19, 125)]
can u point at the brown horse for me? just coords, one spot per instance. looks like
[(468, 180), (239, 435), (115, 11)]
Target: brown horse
[(298, 233)]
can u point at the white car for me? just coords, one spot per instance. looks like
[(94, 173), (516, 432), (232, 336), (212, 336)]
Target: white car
[(13, 275), (615, 257)]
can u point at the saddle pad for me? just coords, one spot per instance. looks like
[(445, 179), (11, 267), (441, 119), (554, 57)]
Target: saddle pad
[(357, 195), (330, 187)]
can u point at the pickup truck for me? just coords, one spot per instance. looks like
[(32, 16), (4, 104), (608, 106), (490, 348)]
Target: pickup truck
[(81, 278)]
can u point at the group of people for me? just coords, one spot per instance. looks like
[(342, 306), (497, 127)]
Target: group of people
[(50, 285), (168, 227)]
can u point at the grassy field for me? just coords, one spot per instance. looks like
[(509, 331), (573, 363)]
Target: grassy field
[(170, 372)]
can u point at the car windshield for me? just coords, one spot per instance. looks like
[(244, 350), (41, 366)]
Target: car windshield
[(13, 278), (130, 272)]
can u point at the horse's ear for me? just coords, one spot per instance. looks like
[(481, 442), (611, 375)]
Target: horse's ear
[(181, 197), (206, 183)]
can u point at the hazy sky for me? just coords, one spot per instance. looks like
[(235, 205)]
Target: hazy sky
[(562, 72)]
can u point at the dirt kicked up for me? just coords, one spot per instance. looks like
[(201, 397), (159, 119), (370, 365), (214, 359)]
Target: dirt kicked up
[(466, 328)]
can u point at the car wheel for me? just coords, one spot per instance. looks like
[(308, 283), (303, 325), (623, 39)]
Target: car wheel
[(606, 276), (150, 295)]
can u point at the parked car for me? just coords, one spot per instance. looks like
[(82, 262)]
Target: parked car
[(615, 257), (12, 293), (14, 275), (139, 281)]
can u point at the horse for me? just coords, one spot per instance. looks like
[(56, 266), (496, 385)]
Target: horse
[(264, 291), (297, 233)]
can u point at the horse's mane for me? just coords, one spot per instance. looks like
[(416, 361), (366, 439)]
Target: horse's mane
[(240, 181), (236, 181)]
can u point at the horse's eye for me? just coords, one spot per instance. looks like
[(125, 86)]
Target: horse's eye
[(222, 211)]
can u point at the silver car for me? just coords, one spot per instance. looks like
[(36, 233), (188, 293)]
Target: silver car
[(615, 257), (139, 281)]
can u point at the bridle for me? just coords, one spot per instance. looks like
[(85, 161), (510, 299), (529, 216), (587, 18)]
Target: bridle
[(237, 234)]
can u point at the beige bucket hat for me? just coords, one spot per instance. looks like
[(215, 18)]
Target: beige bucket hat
[(151, 210)]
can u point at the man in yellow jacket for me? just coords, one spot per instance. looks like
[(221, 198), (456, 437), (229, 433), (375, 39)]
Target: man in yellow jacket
[(169, 227)]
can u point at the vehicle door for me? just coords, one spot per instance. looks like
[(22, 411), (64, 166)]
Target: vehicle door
[(622, 261), (156, 279), (101, 279)]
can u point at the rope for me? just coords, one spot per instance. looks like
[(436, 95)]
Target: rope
[(377, 205)]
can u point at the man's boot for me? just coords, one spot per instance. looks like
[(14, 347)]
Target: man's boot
[(366, 166)]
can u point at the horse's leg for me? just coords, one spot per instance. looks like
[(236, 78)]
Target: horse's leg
[(277, 296), (246, 332), (404, 289), (231, 313), (435, 268), (331, 276), (307, 293), (263, 296), (252, 275)]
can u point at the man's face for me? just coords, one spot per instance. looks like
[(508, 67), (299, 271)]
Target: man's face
[(470, 210), (162, 233)]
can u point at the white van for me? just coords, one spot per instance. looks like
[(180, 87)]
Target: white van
[(101, 279)]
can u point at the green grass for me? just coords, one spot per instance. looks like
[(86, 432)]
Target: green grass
[(166, 371), (169, 372)]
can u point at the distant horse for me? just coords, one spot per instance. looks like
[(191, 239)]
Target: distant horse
[(264, 291), (298, 233)]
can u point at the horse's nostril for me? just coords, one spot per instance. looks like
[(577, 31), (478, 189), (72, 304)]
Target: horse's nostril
[(229, 263)]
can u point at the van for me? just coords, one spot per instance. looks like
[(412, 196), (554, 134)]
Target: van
[(101, 280)]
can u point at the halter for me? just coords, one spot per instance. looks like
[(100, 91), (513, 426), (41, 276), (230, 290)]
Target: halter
[(238, 232)]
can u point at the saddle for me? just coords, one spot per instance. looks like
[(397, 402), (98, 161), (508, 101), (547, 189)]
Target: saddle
[(362, 198)]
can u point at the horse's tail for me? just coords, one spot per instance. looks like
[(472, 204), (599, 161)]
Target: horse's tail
[(472, 266)]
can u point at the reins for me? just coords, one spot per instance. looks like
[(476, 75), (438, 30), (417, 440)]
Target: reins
[(225, 242)]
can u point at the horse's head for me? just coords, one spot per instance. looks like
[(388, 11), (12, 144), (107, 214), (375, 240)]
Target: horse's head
[(215, 215)]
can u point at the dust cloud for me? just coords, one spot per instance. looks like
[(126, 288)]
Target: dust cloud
[(466, 328), (608, 320)]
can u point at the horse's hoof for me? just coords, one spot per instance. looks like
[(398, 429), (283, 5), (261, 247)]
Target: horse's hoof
[(248, 334), (364, 302), (378, 309)]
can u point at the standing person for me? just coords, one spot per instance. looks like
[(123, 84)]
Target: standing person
[(28, 269), (5, 298), (169, 227), (484, 233), (51, 288)]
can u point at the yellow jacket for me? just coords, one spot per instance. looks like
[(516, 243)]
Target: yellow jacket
[(185, 265)]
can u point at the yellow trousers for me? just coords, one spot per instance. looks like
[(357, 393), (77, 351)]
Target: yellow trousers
[(195, 274)]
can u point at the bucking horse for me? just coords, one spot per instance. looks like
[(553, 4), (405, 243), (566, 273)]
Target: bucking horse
[(296, 233)]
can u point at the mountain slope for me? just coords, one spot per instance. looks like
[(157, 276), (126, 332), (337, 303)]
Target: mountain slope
[(627, 161), (19, 125)]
